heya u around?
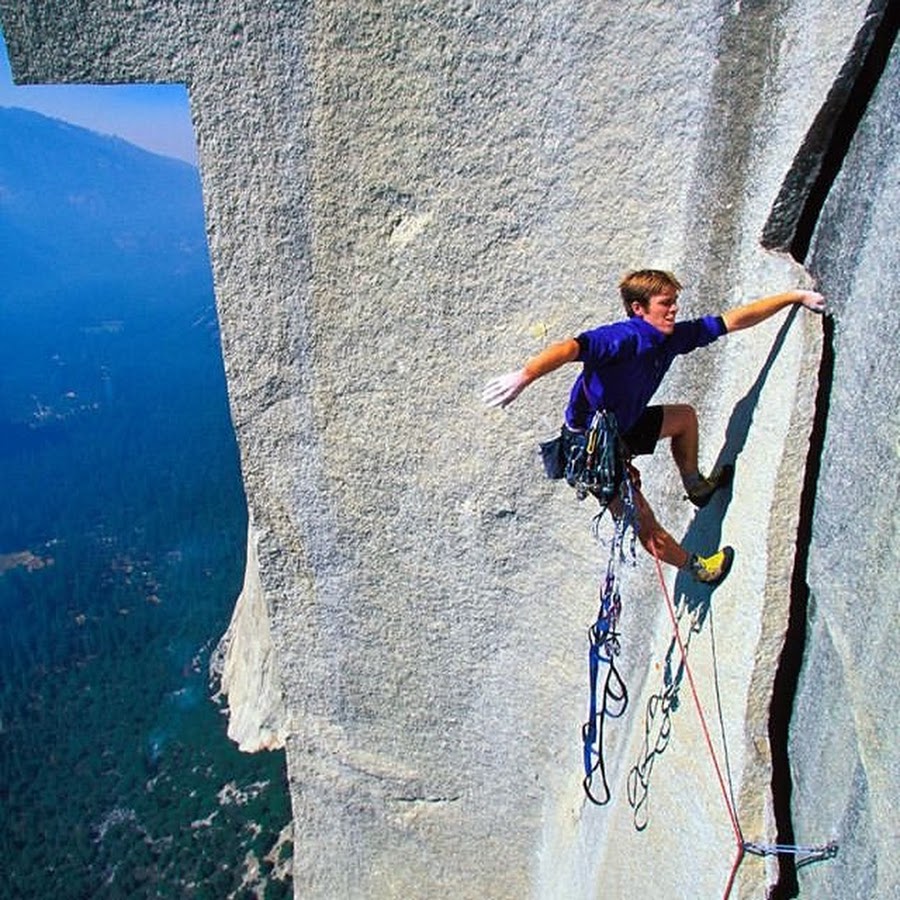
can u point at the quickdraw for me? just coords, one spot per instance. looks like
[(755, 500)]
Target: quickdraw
[(803, 855)]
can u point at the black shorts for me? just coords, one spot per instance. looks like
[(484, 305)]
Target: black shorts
[(641, 438)]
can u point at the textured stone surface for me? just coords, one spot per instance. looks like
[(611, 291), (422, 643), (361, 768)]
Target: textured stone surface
[(403, 200), (843, 744), (245, 667)]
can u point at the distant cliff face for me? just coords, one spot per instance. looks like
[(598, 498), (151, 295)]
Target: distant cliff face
[(402, 202)]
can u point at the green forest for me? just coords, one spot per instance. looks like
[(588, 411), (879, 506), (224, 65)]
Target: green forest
[(122, 542)]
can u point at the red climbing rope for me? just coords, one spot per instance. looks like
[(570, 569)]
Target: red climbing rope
[(729, 806)]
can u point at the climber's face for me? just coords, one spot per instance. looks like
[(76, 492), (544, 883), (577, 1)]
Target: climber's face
[(660, 311)]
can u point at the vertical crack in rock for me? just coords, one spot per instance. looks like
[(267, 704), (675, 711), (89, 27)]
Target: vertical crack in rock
[(788, 674), (803, 192), (791, 227)]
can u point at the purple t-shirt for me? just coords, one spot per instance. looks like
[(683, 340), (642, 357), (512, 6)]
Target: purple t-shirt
[(624, 364)]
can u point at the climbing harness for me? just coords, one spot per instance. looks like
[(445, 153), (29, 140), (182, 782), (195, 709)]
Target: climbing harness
[(602, 456)]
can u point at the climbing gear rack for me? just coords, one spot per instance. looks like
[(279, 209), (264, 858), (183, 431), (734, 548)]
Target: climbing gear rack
[(594, 463)]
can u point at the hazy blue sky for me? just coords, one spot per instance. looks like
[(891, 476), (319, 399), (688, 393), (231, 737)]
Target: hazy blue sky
[(156, 117)]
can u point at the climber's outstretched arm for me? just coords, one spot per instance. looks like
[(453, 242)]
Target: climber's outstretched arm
[(501, 391), (760, 310)]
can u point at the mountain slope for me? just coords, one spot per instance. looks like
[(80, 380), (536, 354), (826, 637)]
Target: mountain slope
[(79, 208)]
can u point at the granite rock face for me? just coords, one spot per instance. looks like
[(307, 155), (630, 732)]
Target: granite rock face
[(843, 742), (406, 199), (244, 667)]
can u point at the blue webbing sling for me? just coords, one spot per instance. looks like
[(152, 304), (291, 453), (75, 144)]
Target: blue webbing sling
[(596, 466)]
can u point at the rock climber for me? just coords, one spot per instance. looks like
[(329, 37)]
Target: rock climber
[(623, 364)]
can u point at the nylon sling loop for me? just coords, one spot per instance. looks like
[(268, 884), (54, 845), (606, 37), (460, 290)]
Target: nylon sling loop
[(602, 478), (603, 648)]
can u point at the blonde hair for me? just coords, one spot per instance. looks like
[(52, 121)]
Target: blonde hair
[(640, 286)]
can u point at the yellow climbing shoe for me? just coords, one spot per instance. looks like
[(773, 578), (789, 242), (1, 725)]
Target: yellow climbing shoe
[(712, 570)]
